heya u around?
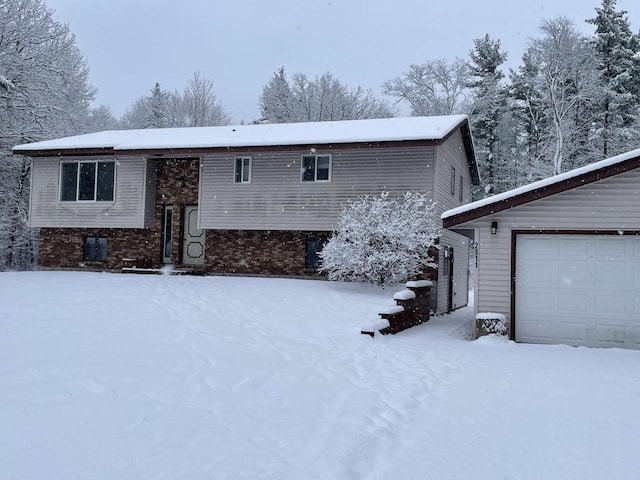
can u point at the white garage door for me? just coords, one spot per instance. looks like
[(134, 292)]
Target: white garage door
[(578, 290)]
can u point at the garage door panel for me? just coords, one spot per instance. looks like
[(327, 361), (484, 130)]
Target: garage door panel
[(576, 275), (608, 304), (612, 334), (608, 274), (609, 248), (578, 289), (539, 301), (538, 275), (572, 247), (571, 332), (573, 303)]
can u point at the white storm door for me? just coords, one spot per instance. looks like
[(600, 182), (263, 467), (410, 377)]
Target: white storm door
[(193, 238), (578, 290)]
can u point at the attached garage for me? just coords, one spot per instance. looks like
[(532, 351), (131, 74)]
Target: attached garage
[(577, 289), (560, 258)]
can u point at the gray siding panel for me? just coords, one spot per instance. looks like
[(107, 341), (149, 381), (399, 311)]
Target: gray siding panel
[(611, 204), (127, 211), (451, 154), (276, 199)]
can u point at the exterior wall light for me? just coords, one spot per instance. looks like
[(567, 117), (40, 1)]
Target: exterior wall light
[(494, 228)]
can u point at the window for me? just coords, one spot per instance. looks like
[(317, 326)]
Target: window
[(242, 170), (460, 187), (87, 181), (453, 180), (316, 168), (95, 249), (312, 250)]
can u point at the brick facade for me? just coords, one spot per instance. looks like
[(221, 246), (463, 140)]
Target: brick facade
[(226, 251)]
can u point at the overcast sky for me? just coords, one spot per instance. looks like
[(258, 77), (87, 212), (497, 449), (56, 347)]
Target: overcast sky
[(131, 44)]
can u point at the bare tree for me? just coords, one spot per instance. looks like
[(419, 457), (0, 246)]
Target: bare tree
[(567, 81), (433, 88), (201, 105), (197, 106), (319, 99)]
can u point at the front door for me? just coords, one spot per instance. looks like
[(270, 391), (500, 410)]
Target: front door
[(193, 238), (448, 268)]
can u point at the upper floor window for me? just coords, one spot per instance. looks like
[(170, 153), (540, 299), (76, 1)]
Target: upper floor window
[(453, 180), (460, 187), (87, 181), (316, 168), (242, 170)]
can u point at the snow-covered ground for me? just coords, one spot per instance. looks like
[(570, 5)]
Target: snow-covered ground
[(106, 376)]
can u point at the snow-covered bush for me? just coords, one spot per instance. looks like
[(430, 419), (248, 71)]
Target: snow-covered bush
[(382, 239), (492, 323)]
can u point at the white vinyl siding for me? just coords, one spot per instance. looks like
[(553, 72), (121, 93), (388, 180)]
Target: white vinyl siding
[(278, 199), (127, 211), (612, 204)]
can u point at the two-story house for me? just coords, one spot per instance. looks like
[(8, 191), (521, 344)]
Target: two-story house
[(248, 199)]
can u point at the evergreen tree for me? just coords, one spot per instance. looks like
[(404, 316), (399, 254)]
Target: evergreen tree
[(276, 98), (530, 122), (618, 65), (488, 108)]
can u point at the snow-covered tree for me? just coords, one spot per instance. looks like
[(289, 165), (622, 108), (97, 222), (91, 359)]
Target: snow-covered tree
[(618, 66), (530, 122), (382, 239), (197, 106), (200, 105), (436, 87), (567, 82), (320, 99), (276, 99), (44, 93), (489, 103), (99, 119)]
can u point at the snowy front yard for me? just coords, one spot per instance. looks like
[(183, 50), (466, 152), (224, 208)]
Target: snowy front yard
[(106, 376)]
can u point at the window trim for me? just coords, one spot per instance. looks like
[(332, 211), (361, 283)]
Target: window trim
[(315, 167), (460, 187), (96, 238), (242, 158), (95, 181)]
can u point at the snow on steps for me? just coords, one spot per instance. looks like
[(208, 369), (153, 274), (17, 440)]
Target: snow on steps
[(412, 308)]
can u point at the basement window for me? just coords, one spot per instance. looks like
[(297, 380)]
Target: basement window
[(87, 181), (95, 249), (312, 253)]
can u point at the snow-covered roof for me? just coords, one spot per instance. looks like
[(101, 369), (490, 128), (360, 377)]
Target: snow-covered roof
[(543, 188), (308, 133)]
